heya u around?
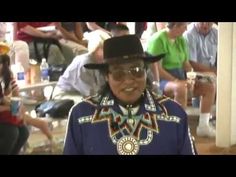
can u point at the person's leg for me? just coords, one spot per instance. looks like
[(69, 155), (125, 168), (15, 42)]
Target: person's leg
[(178, 90), (55, 56), (22, 139), (39, 123), (77, 49), (8, 138), (68, 54), (207, 92)]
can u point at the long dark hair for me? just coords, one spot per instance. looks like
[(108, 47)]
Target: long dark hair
[(6, 72)]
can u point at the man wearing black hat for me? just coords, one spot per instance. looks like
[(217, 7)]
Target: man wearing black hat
[(126, 118)]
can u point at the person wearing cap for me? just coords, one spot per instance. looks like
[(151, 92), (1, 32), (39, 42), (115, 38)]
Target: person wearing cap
[(173, 70), (125, 117)]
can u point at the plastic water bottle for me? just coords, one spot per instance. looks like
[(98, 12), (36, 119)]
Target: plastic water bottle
[(20, 75), (44, 68)]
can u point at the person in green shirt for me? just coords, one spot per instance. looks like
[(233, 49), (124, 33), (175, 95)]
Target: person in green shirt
[(173, 68)]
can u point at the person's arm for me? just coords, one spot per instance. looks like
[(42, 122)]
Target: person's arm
[(187, 66), (66, 34), (37, 33), (13, 88), (93, 26), (86, 81), (79, 31), (155, 71), (123, 23), (15, 29), (202, 68), (76, 36)]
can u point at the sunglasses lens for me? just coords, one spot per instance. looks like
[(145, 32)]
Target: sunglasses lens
[(119, 75), (137, 72)]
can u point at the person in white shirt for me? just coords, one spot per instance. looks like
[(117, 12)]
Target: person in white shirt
[(202, 40), (78, 82)]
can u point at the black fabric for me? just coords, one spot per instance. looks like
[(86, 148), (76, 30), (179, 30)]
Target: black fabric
[(12, 138), (140, 27), (54, 108), (47, 42), (55, 71)]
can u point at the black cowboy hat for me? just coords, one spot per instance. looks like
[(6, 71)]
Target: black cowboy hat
[(122, 49)]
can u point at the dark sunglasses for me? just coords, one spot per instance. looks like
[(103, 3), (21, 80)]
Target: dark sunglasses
[(120, 74)]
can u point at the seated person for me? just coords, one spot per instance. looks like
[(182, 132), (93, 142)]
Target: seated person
[(57, 54), (78, 82), (173, 68), (72, 36), (202, 40), (13, 132), (9, 88)]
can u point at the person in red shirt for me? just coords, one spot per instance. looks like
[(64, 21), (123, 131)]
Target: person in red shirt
[(57, 54), (13, 130)]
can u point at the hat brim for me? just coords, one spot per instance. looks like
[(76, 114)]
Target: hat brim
[(147, 58)]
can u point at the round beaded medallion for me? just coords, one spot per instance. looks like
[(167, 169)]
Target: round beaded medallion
[(127, 145)]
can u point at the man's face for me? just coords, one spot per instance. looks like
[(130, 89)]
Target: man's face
[(204, 27), (127, 81)]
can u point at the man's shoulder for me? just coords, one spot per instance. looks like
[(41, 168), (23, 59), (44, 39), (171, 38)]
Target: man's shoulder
[(214, 32), (91, 100), (85, 107), (83, 58), (164, 100), (170, 106), (191, 33)]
